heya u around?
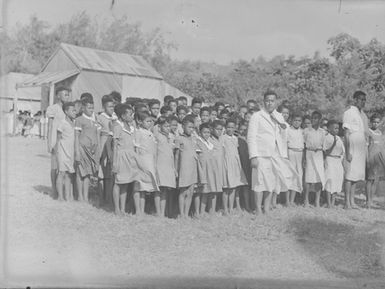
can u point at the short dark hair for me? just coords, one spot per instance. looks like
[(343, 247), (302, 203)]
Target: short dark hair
[(358, 94), (243, 122), (251, 101), (171, 118), (167, 98), (162, 120), (374, 116), (282, 107), (116, 96), (182, 98), (181, 107), (196, 100), (316, 113), (142, 115), (332, 122), (188, 119), (219, 103), (296, 115), (61, 88), (87, 100), (165, 108), (121, 109), (67, 105), (224, 111), (106, 99), (204, 125), (269, 92), (306, 117), (217, 122), (243, 106), (139, 105), (205, 108), (172, 100), (152, 102), (86, 95), (231, 120)]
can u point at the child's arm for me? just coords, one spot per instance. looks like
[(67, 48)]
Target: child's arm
[(77, 146), (329, 150), (59, 137), (347, 145)]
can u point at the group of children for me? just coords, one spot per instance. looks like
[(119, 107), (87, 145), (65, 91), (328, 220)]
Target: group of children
[(188, 160)]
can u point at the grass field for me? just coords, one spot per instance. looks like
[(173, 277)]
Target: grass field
[(72, 244)]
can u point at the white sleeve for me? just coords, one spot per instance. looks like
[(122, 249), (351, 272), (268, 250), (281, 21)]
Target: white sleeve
[(252, 135)]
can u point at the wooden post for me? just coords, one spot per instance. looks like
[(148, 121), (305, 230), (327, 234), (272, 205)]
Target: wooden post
[(51, 93)]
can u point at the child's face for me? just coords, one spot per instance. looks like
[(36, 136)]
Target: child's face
[(109, 108), (242, 130), (285, 113), (174, 126), (214, 115), (88, 109), (307, 123), (217, 131), (220, 108), (173, 105), (315, 120), (334, 129), (154, 109), (196, 108), (225, 116), (247, 117), (147, 123), (243, 111), (297, 122), (205, 116), (71, 112), (168, 113), (205, 132), (181, 114), (165, 128), (230, 128), (128, 116), (78, 107), (188, 128), (375, 123)]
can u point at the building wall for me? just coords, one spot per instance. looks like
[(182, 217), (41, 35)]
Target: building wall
[(59, 62), (96, 83)]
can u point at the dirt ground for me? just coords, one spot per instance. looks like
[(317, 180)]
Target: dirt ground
[(75, 244)]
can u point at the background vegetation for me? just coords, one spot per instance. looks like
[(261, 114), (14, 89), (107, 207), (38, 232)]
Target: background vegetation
[(307, 82)]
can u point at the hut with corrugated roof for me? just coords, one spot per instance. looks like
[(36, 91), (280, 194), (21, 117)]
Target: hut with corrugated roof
[(98, 72)]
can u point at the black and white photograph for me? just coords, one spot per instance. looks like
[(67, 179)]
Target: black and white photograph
[(192, 144)]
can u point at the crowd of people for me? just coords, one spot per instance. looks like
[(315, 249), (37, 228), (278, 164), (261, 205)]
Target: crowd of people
[(197, 159), (27, 124)]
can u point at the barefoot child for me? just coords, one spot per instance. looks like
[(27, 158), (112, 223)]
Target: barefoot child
[(146, 148), (314, 162), (104, 177), (375, 168), (334, 171), (295, 145), (65, 152), (86, 148), (186, 164), (211, 168), (124, 162), (165, 166), (233, 175)]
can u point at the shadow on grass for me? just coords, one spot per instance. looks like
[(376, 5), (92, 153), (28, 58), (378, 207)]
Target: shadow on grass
[(345, 250), (43, 190)]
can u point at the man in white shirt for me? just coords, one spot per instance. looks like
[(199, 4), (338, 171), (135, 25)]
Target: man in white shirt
[(55, 115), (271, 169), (355, 123)]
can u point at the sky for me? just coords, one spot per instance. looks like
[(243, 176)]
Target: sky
[(222, 31)]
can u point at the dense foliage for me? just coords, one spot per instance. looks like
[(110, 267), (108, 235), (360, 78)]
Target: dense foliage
[(307, 83)]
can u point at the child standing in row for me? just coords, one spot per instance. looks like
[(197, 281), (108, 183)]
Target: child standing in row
[(211, 164), (86, 148), (165, 167), (145, 147), (243, 152), (314, 161), (295, 145), (65, 152), (375, 160), (334, 171), (233, 174), (186, 164)]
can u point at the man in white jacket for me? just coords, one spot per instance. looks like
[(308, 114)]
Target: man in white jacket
[(271, 169)]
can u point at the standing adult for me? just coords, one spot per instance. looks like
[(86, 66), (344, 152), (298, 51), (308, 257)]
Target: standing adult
[(271, 170), (55, 115), (355, 124)]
